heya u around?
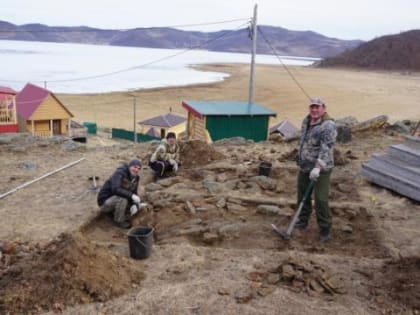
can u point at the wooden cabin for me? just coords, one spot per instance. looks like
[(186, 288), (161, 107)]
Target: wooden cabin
[(159, 126), (41, 113), (214, 120), (8, 117)]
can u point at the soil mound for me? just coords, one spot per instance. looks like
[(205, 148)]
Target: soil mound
[(68, 271), (197, 153)]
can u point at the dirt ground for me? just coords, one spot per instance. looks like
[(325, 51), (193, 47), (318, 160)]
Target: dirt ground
[(214, 250), (362, 94)]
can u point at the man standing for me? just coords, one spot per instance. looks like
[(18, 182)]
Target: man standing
[(166, 157), (316, 161), (118, 196)]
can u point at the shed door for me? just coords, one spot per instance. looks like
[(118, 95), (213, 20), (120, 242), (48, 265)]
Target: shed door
[(56, 127), (249, 127)]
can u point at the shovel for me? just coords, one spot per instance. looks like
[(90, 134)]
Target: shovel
[(286, 235)]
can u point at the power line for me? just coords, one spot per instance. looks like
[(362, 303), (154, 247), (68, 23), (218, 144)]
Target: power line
[(284, 65), (83, 29)]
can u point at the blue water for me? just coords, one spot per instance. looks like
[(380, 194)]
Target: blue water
[(80, 68)]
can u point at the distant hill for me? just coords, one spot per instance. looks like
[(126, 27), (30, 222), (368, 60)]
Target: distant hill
[(286, 42), (393, 52)]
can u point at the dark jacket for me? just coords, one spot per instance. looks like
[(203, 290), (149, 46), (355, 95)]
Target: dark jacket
[(121, 183)]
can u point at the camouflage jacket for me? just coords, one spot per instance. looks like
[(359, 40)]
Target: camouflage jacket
[(165, 152), (316, 143)]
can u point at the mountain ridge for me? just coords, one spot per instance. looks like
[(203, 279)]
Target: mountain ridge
[(284, 41)]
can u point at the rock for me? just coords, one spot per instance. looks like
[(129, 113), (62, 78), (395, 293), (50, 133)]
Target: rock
[(193, 230), (264, 291), (288, 272), (221, 177), (343, 134), (230, 229), (255, 276), (190, 207), (315, 286), (399, 126), (153, 187), (243, 295), (276, 137), (166, 182), (268, 210), (371, 124), (27, 165), (281, 186), (345, 188), (347, 229), (223, 291), (18, 149), (273, 278), (235, 207), (213, 187), (348, 121), (221, 203), (265, 182), (210, 238), (241, 170)]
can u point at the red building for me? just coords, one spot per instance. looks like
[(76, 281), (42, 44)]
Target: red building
[(8, 117)]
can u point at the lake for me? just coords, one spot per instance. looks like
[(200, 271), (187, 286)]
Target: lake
[(81, 68)]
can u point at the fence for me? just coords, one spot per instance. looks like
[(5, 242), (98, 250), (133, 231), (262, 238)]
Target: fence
[(129, 135)]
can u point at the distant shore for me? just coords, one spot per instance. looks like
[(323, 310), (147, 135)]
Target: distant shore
[(362, 94)]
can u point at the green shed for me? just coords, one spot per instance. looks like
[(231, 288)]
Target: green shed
[(91, 127), (215, 120)]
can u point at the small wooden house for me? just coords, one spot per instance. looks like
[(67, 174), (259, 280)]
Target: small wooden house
[(41, 113), (215, 120), (159, 126), (8, 117)]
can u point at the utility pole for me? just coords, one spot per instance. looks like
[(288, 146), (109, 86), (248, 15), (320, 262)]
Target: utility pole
[(254, 50), (134, 119)]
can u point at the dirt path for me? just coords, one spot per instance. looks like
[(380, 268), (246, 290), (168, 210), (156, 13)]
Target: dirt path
[(216, 255)]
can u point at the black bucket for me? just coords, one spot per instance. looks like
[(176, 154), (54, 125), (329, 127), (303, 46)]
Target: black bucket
[(265, 169), (140, 241)]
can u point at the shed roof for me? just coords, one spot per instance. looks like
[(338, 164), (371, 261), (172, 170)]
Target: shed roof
[(227, 108), (168, 120), (153, 133), (29, 99)]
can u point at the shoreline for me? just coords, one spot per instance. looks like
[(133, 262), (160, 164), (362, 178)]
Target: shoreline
[(358, 93)]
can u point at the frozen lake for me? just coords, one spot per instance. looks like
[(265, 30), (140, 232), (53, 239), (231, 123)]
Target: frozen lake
[(80, 68)]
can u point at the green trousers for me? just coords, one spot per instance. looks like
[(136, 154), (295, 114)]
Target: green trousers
[(321, 191)]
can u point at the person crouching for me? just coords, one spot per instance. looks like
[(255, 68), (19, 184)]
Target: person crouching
[(165, 159)]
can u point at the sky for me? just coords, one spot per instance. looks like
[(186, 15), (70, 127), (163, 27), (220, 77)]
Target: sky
[(351, 19)]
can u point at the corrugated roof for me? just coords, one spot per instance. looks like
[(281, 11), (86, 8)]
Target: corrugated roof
[(168, 120), (31, 96), (229, 108)]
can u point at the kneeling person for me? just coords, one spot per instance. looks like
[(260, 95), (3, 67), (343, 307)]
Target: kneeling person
[(118, 196), (166, 157)]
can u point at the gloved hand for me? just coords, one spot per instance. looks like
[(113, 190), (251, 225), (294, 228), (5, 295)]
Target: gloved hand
[(142, 205), (175, 167), (134, 209), (172, 161), (314, 174), (135, 198)]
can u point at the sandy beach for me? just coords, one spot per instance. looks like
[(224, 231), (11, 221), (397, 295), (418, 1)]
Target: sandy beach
[(362, 94)]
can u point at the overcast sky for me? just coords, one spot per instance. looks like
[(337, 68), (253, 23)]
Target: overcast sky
[(351, 19)]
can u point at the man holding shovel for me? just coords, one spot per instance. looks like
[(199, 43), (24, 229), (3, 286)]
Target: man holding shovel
[(118, 196), (316, 161)]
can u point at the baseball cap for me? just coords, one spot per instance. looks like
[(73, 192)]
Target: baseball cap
[(316, 101)]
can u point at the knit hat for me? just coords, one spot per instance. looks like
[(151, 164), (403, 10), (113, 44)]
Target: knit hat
[(171, 135), (134, 162)]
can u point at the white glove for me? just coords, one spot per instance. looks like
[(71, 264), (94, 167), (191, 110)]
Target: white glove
[(135, 198), (172, 161), (134, 209), (175, 167), (314, 174), (142, 205)]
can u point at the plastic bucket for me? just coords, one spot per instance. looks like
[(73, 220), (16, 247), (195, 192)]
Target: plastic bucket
[(140, 241), (265, 169)]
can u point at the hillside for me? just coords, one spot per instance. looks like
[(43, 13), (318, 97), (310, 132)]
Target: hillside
[(286, 42), (393, 52)]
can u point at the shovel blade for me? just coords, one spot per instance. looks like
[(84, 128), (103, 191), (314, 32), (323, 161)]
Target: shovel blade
[(283, 235)]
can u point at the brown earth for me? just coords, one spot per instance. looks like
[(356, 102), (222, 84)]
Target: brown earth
[(214, 251)]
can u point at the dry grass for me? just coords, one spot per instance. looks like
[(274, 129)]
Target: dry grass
[(363, 94)]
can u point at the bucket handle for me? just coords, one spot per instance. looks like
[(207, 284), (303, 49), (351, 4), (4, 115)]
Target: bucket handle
[(138, 240)]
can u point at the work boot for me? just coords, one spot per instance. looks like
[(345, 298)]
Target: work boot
[(324, 235), (123, 224), (301, 224)]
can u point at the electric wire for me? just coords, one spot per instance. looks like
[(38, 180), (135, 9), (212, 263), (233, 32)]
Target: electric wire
[(284, 65)]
